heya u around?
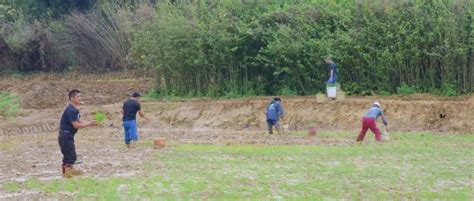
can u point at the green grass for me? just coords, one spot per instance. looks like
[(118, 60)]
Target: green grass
[(11, 187), (8, 145), (9, 104), (411, 166)]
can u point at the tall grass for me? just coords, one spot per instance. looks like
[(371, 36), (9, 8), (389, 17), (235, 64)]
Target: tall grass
[(97, 40), (9, 104)]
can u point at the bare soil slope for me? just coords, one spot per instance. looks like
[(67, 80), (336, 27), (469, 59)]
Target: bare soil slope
[(44, 96)]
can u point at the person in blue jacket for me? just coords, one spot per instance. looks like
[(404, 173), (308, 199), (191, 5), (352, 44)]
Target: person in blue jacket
[(274, 113), (332, 70)]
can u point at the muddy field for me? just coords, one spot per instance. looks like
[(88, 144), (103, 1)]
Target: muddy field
[(104, 154), (29, 147)]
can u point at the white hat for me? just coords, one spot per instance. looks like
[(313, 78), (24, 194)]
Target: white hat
[(376, 103)]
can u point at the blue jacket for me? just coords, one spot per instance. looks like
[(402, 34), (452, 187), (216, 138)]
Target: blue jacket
[(274, 111), (332, 79)]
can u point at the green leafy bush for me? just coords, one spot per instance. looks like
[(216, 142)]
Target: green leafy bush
[(406, 90), (240, 48), (221, 50), (446, 90), (384, 93), (286, 91)]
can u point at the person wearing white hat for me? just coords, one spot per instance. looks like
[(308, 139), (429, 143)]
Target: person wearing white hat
[(368, 122)]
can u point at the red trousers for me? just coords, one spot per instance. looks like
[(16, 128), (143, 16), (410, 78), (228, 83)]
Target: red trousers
[(369, 123)]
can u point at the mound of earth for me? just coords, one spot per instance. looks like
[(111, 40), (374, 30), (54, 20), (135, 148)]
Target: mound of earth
[(43, 97), (50, 90)]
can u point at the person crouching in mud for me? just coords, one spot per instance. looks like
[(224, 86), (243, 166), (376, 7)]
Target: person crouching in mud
[(274, 113)]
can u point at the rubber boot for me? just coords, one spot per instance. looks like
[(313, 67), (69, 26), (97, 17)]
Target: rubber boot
[(63, 169), (133, 144), (69, 171)]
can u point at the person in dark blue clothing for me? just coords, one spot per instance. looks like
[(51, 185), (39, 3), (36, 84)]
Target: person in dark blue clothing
[(130, 109), (69, 124), (274, 113), (332, 71)]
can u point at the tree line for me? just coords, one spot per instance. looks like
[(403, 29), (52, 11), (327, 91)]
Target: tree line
[(242, 48)]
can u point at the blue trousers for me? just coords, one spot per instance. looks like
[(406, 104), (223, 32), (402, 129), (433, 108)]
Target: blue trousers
[(271, 123), (131, 131)]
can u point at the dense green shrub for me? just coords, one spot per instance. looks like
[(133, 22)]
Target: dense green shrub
[(446, 90), (245, 48), (406, 90), (235, 47)]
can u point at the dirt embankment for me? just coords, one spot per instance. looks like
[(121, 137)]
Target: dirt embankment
[(439, 116), (50, 90), (44, 96)]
